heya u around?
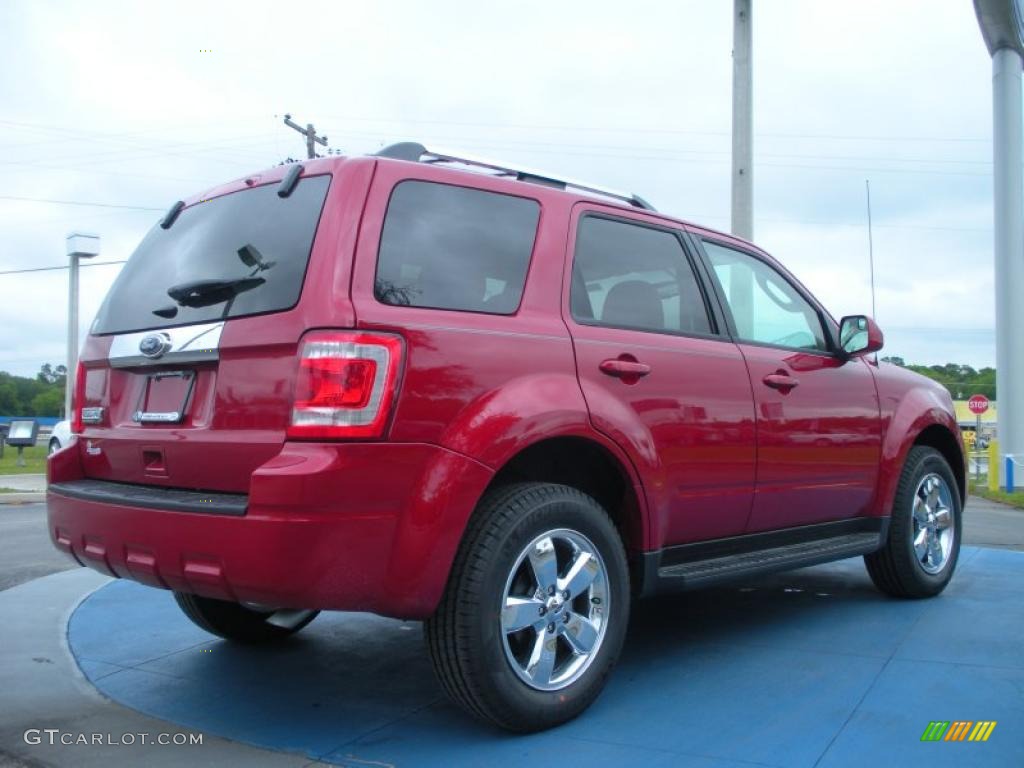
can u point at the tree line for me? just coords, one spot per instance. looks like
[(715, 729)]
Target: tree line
[(962, 381), (39, 396)]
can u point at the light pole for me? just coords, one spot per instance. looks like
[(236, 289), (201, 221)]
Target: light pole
[(79, 246), (1002, 26)]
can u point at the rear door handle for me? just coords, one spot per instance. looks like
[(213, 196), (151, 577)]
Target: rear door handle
[(780, 380), (630, 371)]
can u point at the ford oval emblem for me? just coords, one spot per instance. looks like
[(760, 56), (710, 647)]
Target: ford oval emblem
[(155, 345)]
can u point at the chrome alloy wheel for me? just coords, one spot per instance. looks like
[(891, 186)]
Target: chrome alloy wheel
[(554, 611), (934, 531)]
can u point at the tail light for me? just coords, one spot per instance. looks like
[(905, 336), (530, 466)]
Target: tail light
[(77, 400), (345, 385)]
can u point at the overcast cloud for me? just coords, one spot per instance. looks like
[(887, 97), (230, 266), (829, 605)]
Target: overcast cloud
[(120, 104)]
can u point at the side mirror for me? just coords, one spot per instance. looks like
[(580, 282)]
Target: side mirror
[(859, 335)]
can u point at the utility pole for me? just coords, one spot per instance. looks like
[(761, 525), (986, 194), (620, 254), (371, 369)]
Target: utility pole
[(310, 133), (742, 122)]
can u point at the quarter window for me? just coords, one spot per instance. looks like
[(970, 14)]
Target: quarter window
[(632, 276), (765, 307), (448, 247)]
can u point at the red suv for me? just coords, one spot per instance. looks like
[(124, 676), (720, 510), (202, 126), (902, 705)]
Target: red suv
[(436, 388)]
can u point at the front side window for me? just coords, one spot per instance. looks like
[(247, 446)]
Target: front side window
[(765, 307), (447, 247), (632, 276)]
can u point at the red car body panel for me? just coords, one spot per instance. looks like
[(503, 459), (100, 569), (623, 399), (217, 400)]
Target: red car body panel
[(374, 524), (910, 405), (688, 426), (818, 444)]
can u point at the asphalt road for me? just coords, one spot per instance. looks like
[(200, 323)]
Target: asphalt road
[(26, 552), (25, 549)]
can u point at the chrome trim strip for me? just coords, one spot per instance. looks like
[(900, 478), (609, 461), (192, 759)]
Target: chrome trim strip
[(187, 344), (157, 417), (92, 415)]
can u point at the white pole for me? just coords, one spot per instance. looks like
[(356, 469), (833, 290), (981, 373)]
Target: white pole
[(1008, 135), (742, 122), (79, 246), (69, 385)]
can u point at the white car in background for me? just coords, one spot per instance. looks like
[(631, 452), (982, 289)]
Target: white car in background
[(60, 436)]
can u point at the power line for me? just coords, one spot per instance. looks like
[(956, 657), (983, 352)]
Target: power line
[(78, 202), (682, 131), (63, 266), (692, 156)]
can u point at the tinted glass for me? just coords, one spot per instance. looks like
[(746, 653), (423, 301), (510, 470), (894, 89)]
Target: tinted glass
[(446, 247), (765, 307), (239, 254), (630, 276)]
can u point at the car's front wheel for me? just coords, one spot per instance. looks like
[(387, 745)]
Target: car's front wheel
[(535, 612), (242, 623), (923, 543)]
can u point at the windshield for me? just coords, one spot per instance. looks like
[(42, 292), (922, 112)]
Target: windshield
[(240, 254)]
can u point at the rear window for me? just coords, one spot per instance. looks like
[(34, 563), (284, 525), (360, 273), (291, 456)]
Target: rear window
[(446, 247), (240, 254)]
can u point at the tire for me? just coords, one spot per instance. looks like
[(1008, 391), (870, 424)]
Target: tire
[(481, 654), (53, 447), (926, 497), (240, 624)]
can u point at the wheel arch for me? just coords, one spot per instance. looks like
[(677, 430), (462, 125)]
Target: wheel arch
[(590, 466), (939, 437), (920, 420)]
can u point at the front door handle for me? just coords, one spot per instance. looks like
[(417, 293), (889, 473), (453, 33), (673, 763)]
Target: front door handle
[(780, 380), (629, 371)]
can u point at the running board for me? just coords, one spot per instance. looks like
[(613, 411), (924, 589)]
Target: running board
[(703, 564)]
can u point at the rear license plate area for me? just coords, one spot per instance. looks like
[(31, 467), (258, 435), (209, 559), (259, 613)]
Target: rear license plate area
[(164, 397)]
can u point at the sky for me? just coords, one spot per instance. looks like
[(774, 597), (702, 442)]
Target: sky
[(123, 108)]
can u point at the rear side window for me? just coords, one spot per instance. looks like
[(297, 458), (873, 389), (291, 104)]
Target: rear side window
[(447, 247), (632, 276), (239, 254)]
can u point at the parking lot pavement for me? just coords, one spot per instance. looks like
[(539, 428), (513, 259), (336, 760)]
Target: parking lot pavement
[(42, 688), (41, 684), (25, 550), (991, 524), (811, 667)]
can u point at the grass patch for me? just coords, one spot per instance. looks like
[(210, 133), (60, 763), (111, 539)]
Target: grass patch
[(1015, 499), (35, 461)]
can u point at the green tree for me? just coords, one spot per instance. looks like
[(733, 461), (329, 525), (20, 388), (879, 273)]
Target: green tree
[(9, 403), (48, 403)]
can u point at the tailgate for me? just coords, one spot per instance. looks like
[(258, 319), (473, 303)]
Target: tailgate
[(187, 377), (203, 416)]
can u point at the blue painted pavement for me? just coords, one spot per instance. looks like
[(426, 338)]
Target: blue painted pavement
[(809, 668)]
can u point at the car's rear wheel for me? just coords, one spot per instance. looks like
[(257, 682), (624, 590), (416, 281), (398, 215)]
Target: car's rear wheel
[(923, 543), (242, 623), (535, 612)]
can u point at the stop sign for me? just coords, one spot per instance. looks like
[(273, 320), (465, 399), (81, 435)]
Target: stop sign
[(978, 404)]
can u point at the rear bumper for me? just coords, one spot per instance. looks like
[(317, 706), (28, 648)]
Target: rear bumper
[(369, 527)]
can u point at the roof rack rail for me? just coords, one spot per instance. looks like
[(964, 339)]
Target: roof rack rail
[(416, 153)]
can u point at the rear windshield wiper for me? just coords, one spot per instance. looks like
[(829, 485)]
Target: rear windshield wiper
[(206, 293)]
